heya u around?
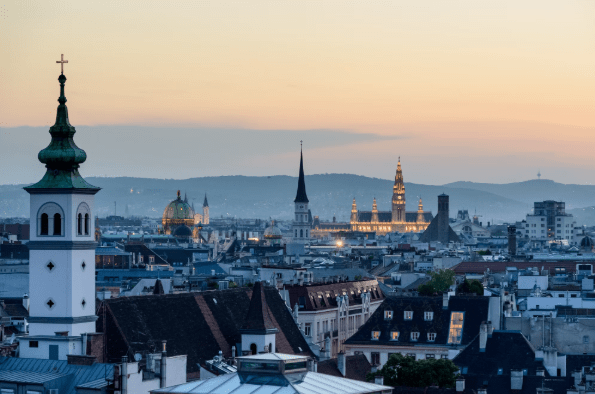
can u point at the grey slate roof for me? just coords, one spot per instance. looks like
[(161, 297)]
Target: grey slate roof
[(40, 371)]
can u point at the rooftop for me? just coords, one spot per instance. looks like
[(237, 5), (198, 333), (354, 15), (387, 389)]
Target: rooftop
[(278, 373)]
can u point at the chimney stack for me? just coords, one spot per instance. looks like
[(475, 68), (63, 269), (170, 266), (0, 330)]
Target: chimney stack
[(341, 364), (163, 366), (460, 385), (124, 375), (512, 240), (483, 336), (516, 379), (445, 301)]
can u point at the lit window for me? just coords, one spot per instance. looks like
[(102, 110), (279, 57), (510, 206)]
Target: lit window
[(428, 316), (455, 331), (414, 336), (408, 315), (375, 335), (394, 336), (431, 336), (388, 315)]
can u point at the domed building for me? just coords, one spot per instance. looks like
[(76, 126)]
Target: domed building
[(178, 218), (272, 234)]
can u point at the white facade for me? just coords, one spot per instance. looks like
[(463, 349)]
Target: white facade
[(62, 266), (528, 282), (345, 320), (301, 223)]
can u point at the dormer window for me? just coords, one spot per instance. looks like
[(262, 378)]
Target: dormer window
[(375, 335), (394, 336), (388, 315), (408, 315), (428, 316), (431, 336), (414, 335)]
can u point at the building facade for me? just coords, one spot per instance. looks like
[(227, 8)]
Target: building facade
[(550, 221), (333, 310), (395, 220)]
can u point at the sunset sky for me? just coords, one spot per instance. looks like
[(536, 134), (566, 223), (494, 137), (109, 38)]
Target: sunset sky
[(486, 91)]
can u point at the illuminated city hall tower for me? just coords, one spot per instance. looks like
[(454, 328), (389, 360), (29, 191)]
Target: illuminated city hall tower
[(398, 211), (62, 247), (395, 220)]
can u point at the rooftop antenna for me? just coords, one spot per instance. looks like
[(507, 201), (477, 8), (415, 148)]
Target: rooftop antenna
[(538, 174)]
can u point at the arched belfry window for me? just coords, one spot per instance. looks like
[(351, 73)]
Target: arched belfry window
[(45, 224), (83, 221), (50, 219), (253, 348), (57, 224)]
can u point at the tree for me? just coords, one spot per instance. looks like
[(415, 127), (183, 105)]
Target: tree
[(426, 289), (406, 371), (471, 286), (442, 280)]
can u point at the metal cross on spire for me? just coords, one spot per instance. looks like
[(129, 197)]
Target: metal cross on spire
[(301, 143), (62, 61)]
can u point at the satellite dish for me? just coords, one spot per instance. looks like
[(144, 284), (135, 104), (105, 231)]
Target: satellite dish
[(138, 357)]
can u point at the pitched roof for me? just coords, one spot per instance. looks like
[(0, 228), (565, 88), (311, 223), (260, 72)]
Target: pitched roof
[(301, 190), (475, 311), (356, 367), (258, 317), (14, 308), (198, 324), (432, 233), (324, 296), (77, 375), (505, 351)]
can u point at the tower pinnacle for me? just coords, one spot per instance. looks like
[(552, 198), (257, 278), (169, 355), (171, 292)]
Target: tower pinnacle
[(301, 191), (62, 157)]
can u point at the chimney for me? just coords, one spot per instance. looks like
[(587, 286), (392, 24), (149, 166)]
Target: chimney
[(379, 379), (124, 375), (163, 366), (342, 364), (483, 336), (460, 385), (516, 379), (84, 340), (26, 302), (512, 240), (550, 360), (327, 348), (445, 301)]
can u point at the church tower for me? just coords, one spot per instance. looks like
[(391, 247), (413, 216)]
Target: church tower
[(205, 211), (301, 224), (62, 247), (398, 211)]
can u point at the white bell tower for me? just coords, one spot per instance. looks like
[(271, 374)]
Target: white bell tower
[(62, 248)]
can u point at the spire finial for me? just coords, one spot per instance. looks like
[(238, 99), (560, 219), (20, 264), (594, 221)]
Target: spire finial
[(62, 61)]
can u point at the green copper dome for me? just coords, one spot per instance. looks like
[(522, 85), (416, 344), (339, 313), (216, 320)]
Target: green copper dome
[(62, 157), (178, 210)]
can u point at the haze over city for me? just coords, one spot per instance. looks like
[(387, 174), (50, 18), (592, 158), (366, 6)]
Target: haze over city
[(489, 91)]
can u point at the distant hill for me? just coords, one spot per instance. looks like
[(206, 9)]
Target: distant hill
[(264, 197)]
